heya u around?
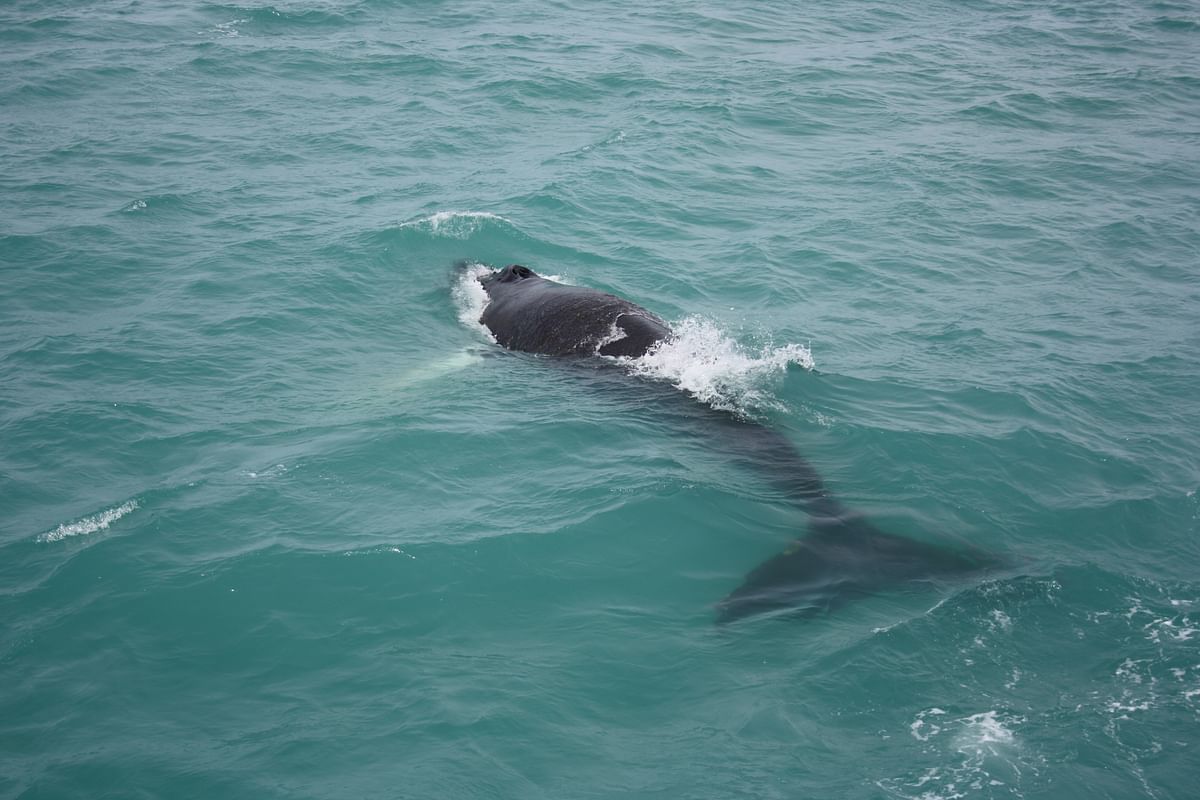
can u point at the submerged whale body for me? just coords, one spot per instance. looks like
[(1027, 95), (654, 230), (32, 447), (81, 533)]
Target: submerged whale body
[(841, 558)]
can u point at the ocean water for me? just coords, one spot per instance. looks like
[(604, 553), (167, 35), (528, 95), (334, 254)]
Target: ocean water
[(278, 520)]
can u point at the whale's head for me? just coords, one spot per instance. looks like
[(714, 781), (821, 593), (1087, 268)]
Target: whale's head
[(512, 274)]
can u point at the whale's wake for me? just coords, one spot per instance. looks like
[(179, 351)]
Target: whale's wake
[(704, 361)]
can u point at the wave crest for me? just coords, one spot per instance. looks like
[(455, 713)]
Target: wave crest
[(96, 522), (454, 224)]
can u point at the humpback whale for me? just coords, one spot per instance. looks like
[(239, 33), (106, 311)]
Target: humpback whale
[(528, 312), (841, 557)]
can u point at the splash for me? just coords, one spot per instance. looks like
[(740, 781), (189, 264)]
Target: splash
[(470, 299), (96, 522), (702, 360)]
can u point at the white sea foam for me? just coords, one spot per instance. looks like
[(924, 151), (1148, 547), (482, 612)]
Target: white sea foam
[(1165, 628), (377, 550), (704, 361), (273, 471), (454, 224), (87, 525), (229, 28), (921, 728), (988, 755), (1179, 630), (471, 299), (983, 735), (977, 735)]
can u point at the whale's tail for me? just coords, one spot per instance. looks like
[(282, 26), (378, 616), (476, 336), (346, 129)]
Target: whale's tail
[(843, 556), (839, 560)]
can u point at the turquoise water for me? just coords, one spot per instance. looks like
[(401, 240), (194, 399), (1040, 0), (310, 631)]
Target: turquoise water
[(278, 520)]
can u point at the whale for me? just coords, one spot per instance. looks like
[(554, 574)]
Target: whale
[(841, 557), (533, 314)]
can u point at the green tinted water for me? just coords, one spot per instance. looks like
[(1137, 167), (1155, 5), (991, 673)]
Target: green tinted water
[(276, 519)]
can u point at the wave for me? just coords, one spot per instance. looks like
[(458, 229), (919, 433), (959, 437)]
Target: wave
[(454, 224), (89, 525), (269, 19)]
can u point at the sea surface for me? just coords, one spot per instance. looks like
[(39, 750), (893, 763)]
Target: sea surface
[(278, 519)]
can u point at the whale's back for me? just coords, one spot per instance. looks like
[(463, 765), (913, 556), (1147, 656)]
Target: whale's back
[(542, 316)]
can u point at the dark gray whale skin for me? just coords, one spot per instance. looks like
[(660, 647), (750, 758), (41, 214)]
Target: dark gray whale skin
[(529, 313), (841, 558)]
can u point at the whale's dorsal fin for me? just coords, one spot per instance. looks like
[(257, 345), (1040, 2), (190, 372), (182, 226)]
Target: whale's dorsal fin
[(640, 333)]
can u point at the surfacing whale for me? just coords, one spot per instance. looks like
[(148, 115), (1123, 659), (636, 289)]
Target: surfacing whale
[(527, 312), (842, 557)]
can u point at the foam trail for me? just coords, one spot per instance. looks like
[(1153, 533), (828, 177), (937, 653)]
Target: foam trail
[(87, 525), (702, 360)]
